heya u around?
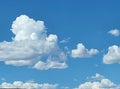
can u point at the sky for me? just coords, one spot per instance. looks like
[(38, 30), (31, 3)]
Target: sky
[(65, 44)]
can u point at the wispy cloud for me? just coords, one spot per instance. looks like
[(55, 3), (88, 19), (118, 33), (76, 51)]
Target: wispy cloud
[(65, 40)]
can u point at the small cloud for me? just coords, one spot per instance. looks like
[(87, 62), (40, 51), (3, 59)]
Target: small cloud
[(112, 56), (65, 40), (97, 77), (82, 52), (114, 32)]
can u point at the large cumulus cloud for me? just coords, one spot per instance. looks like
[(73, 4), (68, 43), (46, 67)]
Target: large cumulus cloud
[(31, 46)]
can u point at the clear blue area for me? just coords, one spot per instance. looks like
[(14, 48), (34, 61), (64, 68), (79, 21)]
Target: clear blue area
[(84, 21)]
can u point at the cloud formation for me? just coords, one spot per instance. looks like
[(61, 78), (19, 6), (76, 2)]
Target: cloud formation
[(31, 46), (100, 83), (65, 40), (49, 64), (28, 85), (114, 32), (113, 55), (82, 52), (97, 77)]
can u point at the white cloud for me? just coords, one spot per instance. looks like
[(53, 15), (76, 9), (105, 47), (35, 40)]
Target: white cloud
[(114, 32), (31, 45), (97, 77), (100, 83), (28, 85), (82, 52), (65, 40), (49, 64), (113, 55)]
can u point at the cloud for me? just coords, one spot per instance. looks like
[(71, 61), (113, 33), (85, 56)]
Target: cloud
[(26, 28), (49, 64), (31, 46), (28, 85), (65, 40), (82, 52), (113, 55), (97, 77), (100, 83), (114, 32)]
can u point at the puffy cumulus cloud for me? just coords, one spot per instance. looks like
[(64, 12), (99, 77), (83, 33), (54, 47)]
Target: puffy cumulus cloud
[(114, 32), (113, 55), (82, 52), (100, 83), (26, 28), (31, 46), (28, 85)]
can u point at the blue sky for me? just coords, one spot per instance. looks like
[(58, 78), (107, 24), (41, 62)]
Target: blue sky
[(59, 27)]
